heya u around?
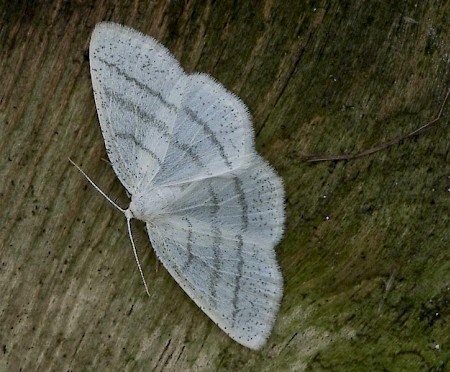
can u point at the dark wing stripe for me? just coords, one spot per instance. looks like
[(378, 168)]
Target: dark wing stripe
[(244, 218), (211, 135), (139, 84), (131, 137), (237, 284), (191, 152), (242, 202), (136, 110), (217, 238), (188, 263)]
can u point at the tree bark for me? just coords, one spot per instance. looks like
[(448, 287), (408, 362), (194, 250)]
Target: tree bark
[(365, 257)]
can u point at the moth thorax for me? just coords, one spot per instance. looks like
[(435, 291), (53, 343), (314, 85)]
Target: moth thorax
[(152, 203)]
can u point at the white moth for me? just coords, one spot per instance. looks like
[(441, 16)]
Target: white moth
[(183, 147)]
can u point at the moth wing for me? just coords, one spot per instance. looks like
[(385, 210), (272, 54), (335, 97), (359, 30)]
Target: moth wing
[(160, 125), (217, 242), (132, 77), (212, 134)]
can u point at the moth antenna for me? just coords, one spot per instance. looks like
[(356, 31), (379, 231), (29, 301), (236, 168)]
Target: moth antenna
[(127, 214), (96, 187), (135, 254)]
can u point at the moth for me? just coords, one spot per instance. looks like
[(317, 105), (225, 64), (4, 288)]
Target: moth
[(183, 147)]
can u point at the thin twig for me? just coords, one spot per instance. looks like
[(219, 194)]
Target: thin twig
[(382, 146)]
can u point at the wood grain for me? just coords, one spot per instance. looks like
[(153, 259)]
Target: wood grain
[(366, 256)]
